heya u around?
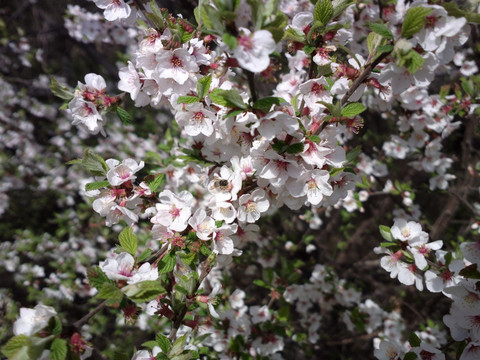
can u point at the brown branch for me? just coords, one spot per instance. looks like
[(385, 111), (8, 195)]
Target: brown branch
[(251, 85), (352, 339), (206, 268), (462, 187), (363, 76), (78, 324)]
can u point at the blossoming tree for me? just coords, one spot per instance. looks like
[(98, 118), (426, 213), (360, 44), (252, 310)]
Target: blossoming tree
[(277, 111)]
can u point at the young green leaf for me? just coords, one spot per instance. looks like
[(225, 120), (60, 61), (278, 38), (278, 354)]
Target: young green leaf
[(414, 340), (96, 277), (16, 347), (156, 182), (323, 11), (58, 349), (96, 185), (124, 116), (353, 109), (381, 29), (203, 86), (110, 292), (228, 98), (94, 163), (60, 91), (266, 103), (295, 148), (230, 40), (414, 21), (410, 356), (386, 233), (167, 263), (163, 342), (128, 241), (187, 99)]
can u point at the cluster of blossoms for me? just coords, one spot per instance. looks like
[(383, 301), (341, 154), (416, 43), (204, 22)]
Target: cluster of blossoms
[(91, 27), (238, 157), (415, 260)]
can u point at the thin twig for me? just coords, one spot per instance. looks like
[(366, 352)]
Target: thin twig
[(206, 267), (251, 85), (363, 76), (78, 324)]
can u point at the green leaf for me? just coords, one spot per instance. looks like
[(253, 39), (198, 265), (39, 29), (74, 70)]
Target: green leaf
[(388, 244), (150, 344), (177, 347), (470, 272), (96, 277), (60, 91), (413, 61), (120, 356), (15, 346), (283, 314), (163, 342), (314, 138), (96, 185), (266, 103), (58, 349), (340, 5), (386, 233), (55, 326), (279, 146), (353, 154), (233, 113), (381, 29), (213, 18), (156, 182), (167, 263), (124, 115), (454, 10), (143, 291), (353, 109), (203, 86), (144, 255), (187, 36), (128, 241), (228, 98), (94, 163), (187, 259), (410, 356), (157, 16), (294, 35), (295, 148), (187, 99), (323, 11), (414, 340), (384, 49), (374, 41), (468, 87), (414, 21), (230, 40), (109, 291)]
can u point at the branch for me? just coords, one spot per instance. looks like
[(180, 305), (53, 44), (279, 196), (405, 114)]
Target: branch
[(366, 72), (206, 268), (363, 76), (78, 324), (462, 187), (251, 85)]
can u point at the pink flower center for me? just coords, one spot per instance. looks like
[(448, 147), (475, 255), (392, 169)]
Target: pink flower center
[(317, 88), (174, 211), (176, 62), (446, 275), (198, 117), (246, 42)]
